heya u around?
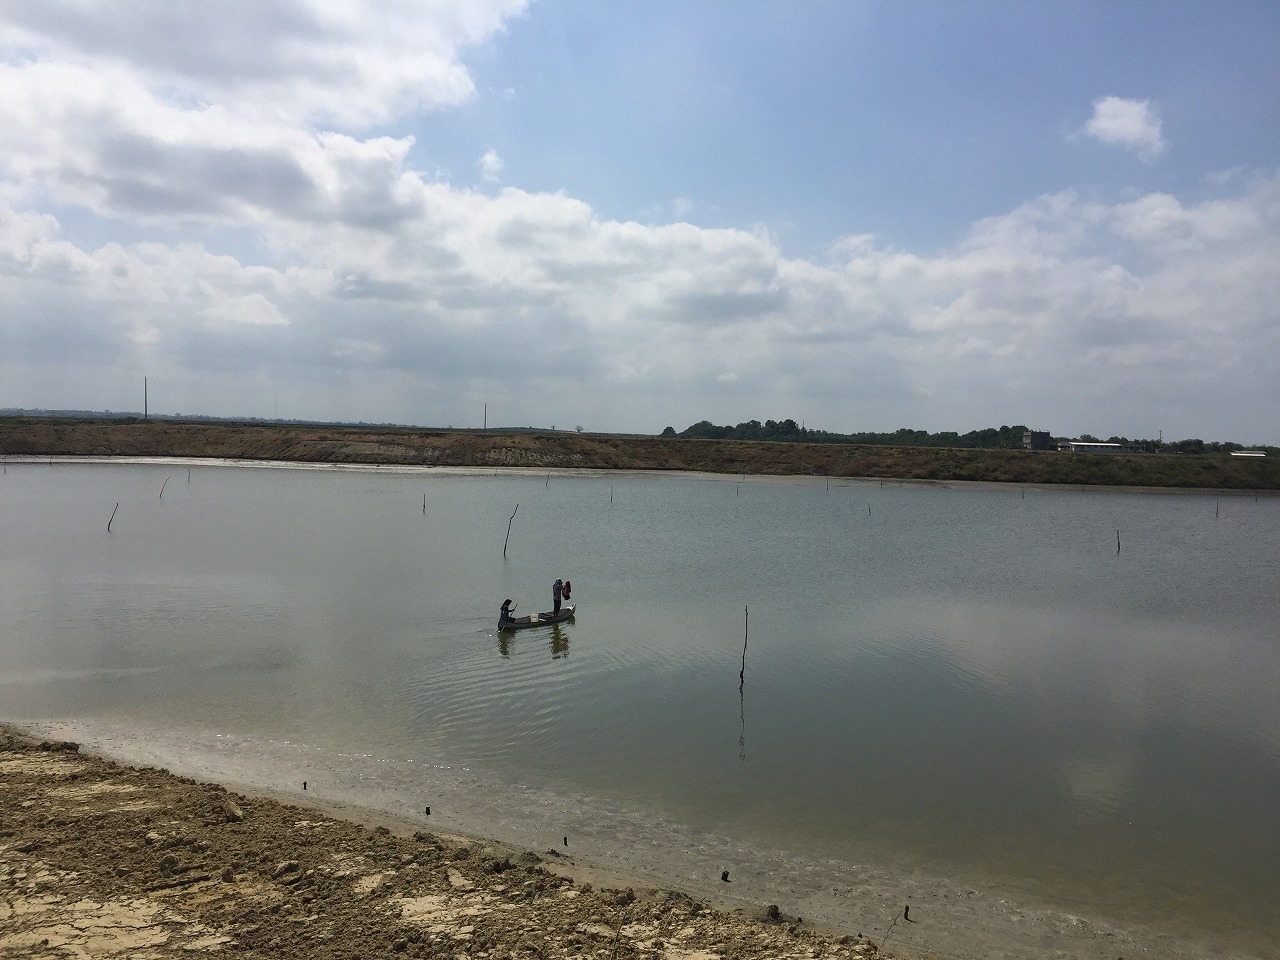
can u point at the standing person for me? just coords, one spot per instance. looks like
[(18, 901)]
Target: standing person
[(568, 590), (557, 591)]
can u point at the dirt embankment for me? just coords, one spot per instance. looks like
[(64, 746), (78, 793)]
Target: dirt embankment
[(31, 436), (99, 860)]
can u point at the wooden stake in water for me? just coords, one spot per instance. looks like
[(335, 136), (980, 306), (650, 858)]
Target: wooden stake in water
[(1117, 541), (165, 484), (505, 542), (113, 517), (424, 504), (742, 696)]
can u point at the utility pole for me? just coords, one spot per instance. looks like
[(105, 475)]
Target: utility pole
[(144, 399), (486, 417)]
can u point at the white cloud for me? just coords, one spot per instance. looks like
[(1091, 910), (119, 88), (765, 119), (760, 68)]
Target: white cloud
[(354, 64), (634, 313), (490, 165), (252, 309), (1131, 124), (367, 290)]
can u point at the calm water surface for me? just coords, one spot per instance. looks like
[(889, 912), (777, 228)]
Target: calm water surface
[(970, 678)]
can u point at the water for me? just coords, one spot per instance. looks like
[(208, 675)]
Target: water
[(973, 681)]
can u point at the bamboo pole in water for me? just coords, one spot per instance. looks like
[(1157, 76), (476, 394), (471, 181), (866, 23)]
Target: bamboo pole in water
[(165, 484), (505, 542), (742, 674), (113, 517)]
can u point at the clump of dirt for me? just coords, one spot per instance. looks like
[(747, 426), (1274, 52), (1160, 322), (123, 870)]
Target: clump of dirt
[(99, 860)]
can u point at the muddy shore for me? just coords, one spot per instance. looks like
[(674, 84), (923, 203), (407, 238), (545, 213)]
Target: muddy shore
[(99, 859), (85, 833)]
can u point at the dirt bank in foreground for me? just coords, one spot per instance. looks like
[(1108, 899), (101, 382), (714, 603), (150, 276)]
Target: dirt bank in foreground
[(100, 860)]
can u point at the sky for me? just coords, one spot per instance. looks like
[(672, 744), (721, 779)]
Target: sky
[(624, 216)]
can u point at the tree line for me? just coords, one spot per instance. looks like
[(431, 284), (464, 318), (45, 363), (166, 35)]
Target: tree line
[(1004, 437)]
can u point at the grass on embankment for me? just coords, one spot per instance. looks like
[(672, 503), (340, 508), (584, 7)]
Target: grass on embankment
[(31, 436)]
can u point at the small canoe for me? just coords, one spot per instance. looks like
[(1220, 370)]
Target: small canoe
[(538, 619)]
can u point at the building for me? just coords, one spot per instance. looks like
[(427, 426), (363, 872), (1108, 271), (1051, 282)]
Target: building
[(1036, 440), (1088, 446)]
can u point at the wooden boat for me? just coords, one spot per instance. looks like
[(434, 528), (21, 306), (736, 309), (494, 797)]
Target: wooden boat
[(538, 619)]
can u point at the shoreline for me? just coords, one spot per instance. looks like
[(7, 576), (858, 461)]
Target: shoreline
[(709, 476), (950, 919), (103, 860), (544, 450)]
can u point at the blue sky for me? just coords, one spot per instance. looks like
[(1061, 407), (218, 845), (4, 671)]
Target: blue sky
[(907, 120), (633, 215)]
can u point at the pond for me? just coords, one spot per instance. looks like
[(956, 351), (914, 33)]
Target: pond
[(1065, 693)]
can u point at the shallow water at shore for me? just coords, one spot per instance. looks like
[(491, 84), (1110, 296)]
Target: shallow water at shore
[(955, 917), (939, 683)]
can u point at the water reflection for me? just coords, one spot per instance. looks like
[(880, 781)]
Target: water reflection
[(974, 675), (559, 642), (557, 639)]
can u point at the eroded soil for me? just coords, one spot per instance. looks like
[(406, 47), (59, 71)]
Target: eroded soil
[(99, 860)]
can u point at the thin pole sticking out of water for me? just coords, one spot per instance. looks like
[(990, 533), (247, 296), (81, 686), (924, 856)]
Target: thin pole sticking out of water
[(742, 698), (113, 517), (165, 484), (611, 493), (548, 480), (504, 542), (188, 474), (1215, 508), (1117, 541), (424, 504)]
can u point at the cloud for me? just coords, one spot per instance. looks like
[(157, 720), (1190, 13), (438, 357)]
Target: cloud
[(356, 64), (252, 309), (1131, 124), (271, 254), (490, 165)]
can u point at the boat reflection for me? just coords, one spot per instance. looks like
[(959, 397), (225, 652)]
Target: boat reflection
[(559, 641)]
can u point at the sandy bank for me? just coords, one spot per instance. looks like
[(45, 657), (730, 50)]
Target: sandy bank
[(77, 822), (103, 860)]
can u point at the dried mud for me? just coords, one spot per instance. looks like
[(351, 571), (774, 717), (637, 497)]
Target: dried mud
[(100, 860)]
